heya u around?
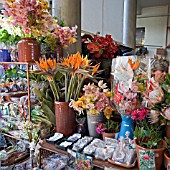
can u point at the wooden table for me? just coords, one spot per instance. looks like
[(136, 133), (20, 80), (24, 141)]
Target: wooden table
[(96, 163)]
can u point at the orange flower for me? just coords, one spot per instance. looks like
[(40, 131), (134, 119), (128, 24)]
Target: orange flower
[(46, 65), (96, 67), (76, 61), (135, 65)]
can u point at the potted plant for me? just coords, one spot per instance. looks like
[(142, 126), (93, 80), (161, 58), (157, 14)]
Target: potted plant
[(95, 101), (103, 50), (108, 129), (149, 145), (66, 80), (167, 152)]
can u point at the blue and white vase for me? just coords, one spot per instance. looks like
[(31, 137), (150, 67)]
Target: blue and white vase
[(127, 128)]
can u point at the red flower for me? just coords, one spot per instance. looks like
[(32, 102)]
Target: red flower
[(103, 46)]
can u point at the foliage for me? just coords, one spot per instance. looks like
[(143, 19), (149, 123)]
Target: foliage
[(168, 145), (95, 100), (66, 78), (148, 136), (7, 38), (47, 104), (13, 74), (104, 47)]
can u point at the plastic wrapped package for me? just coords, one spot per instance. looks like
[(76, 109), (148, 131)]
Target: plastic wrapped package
[(74, 137), (55, 162), (81, 143), (103, 154)]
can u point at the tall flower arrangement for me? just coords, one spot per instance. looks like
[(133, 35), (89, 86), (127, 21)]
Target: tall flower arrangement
[(129, 87), (66, 78), (31, 16)]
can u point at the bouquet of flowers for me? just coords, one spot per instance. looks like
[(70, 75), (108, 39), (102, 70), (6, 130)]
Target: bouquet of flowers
[(61, 35), (104, 47), (66, 78), (95, 100), (130, 82), (31, 17)]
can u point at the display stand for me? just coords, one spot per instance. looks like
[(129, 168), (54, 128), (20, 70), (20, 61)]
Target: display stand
[(46, 149)]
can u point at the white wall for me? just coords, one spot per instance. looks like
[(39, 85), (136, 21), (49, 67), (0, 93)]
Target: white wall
[(104, 16), (156, 21)]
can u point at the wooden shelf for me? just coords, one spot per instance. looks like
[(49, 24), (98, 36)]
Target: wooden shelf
[(14, 94), (97, 163), (24, 63), (14, 137)]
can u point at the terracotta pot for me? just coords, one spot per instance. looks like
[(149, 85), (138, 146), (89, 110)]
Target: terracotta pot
[(157, 152), (65, 118), (28, 50), (166, 159), (168, 131), (108, 135)]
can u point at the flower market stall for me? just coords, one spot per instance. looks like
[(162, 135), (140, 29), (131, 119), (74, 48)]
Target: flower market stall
[(72, 112)]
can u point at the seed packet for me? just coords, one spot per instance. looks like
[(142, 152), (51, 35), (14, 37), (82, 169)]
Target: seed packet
[(83, 162), (147, 160)]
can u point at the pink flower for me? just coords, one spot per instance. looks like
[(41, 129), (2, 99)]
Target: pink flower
[(100, 129), (134, 87), (146, 157)]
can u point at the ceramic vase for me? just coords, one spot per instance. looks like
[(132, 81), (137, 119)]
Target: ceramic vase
[(28, 50), (92, 121), (65, 118), (126, 128)]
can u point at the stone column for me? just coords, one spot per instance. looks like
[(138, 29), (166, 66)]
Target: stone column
[(70, 12), (129, 23)]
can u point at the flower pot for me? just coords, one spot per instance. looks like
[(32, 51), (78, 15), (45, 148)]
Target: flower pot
[(157, 152), (168, 131), (28, 50), (166, 159), (108, 135), (127, 127), (57, 53), (92, 121), (65, 118)]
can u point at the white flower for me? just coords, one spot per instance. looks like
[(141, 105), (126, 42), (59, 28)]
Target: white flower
[(102, 85)]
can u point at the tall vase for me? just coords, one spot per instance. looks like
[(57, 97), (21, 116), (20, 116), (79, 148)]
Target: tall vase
[(28, 50), (92, 121), (127, 128), (65, 118)]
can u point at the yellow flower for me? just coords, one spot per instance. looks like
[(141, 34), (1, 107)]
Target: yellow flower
[(10, 1), (108, 112), (93, 112), (79, 104), (108, 94), (82, 98), (45, 5), (72, 40)]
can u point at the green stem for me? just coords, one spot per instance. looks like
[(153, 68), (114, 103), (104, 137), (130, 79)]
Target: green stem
[(54, 89), (80, 83)]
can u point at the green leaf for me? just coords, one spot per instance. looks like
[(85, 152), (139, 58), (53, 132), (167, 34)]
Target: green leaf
[(49, 113)]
